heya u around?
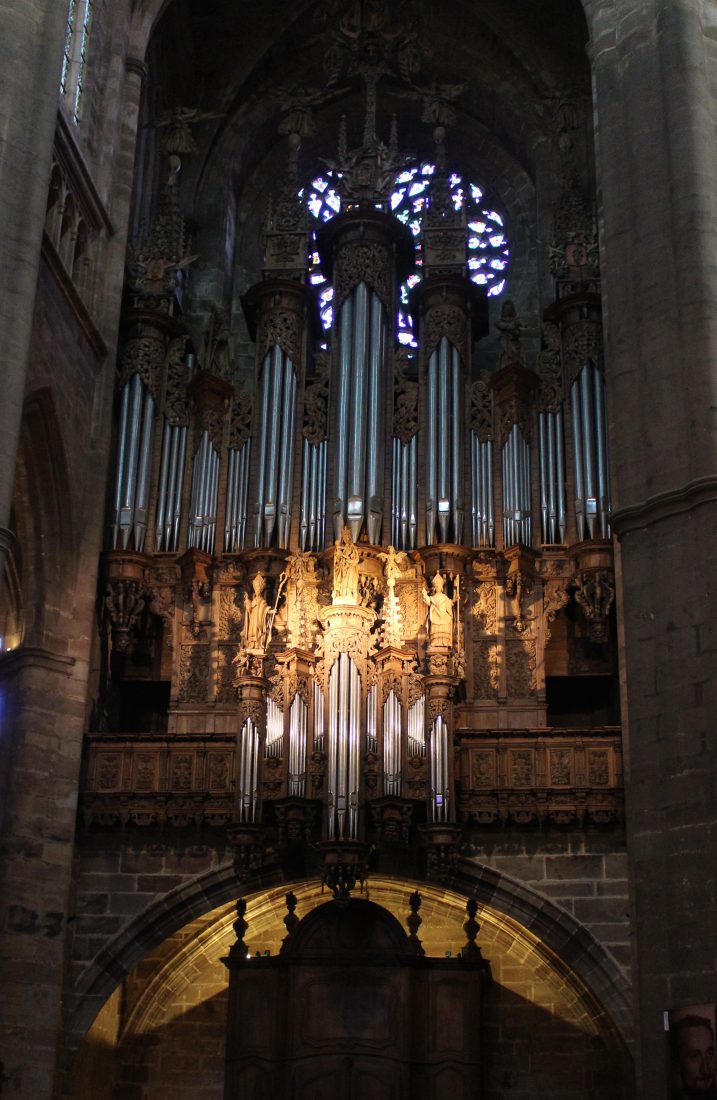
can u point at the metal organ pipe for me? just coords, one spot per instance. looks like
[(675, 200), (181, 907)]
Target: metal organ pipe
[(276, 450), (440, 792), (372, 719), (517, 496), (171, 484), (592, 484), (483, 522), (274, 729), (134, 455), (358, 478), (313, 492), (392, 745), (237, 494), (404, 509), (203, 503), (318, 719), (248, 789), (344, 755), (417, 727), (444, 447), (298, 724), (552, 477)]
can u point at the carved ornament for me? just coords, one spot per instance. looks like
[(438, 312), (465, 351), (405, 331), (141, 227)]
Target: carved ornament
[(356, 263), (482, 408), (282, 327), (316, 401), (444, 320)]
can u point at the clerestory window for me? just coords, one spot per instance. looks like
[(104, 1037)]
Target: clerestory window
[(77, 36)]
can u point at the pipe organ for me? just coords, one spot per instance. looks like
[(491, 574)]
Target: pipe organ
[(352, 565)]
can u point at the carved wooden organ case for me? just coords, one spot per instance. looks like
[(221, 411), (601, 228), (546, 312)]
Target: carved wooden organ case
[(337, 596)]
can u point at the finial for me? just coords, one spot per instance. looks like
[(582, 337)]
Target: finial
[(239, 950), (471, 950), (414, 922), (291, 920)]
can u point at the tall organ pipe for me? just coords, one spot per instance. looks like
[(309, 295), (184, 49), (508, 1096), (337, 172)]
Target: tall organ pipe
[(276, 449), (404, 507), (172, 485), (134, 454), (552, 477), (444, 445), (592, 485), (203, 501), (483, 523), (237, 494), (313, 504), (358, 477), (517, 496)]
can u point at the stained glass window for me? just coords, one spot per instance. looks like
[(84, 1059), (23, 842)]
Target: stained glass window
[(488, 246), (74, 61)]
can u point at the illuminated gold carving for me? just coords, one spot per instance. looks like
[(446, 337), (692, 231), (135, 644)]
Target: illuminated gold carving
[(346, 570)]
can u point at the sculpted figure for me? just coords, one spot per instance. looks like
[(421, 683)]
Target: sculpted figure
[(256, 613), (346, 569), (440, 613)]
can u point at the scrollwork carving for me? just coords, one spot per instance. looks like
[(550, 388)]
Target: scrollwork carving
[(144, 355), (595, 593), (448, 321), (363, 263), (405, 400), (240, 422), (175, 404), (316, 401), (282, 327), (550, 371), (582, 345), (482, 408)]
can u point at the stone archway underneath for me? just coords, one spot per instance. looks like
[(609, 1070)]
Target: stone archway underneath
[(164, 1026)]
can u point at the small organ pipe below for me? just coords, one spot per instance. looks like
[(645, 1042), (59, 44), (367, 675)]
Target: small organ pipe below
[(392, 745), (344, 755), (440, 792), (417, 728), (248, 785), (274, 729), (298, 724), (318, 719), (372, 719)]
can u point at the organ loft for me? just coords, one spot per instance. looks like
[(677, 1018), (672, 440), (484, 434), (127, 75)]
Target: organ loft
[(372, 568), (357, 474)]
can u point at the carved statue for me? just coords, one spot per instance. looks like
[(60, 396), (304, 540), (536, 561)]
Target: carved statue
[(509, 327), (256, 618), (440, 613), (394, 564), (346, 570)]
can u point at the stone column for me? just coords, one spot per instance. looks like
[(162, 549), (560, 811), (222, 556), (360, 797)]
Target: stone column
[(653, 61), (30, 60)]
